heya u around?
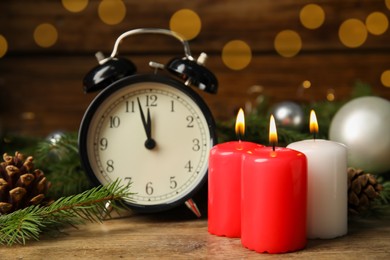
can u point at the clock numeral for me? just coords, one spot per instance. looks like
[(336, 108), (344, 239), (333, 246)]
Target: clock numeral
[(173, 182), (110, 166), (114, 121), (129, 180), (149, 189), (129, 106), (196, 146), (103, 144), (151, 100), (190, 120), (189, 166)]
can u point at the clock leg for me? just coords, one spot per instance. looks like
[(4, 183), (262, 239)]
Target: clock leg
[(192, 206), (107, 210)]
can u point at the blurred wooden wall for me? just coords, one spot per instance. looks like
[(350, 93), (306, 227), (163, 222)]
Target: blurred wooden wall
[(41, 88)]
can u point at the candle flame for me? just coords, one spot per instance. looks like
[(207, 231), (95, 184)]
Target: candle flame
[(273, 135), (240, 123), (313, 122)]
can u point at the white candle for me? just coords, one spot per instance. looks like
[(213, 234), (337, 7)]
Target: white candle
[(327, 197)]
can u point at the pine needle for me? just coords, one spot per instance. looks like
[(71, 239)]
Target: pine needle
[(28, 223), (59, 159)]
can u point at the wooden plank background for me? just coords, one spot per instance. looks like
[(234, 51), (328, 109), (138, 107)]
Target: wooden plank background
[(41, 88)]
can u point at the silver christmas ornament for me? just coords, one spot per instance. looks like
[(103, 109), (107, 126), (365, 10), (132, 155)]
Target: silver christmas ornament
[(363, 124), (54, 137), (288, 114)]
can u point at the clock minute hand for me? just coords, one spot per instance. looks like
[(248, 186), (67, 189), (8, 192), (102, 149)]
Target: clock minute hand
[(144, 123), (149, 126), (149, 143)]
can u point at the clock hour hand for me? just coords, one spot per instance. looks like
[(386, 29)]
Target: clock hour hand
[(147, 123)]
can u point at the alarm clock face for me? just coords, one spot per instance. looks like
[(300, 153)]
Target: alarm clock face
[(151, 131)]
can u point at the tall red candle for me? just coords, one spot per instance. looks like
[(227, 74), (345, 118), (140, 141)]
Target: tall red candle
[(273, 206), (224, 185)]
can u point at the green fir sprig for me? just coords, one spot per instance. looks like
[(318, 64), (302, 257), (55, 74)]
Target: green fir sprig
[(91, 205), (59, 158)]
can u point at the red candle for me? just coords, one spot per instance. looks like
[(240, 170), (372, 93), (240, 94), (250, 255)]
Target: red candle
[(224, 185), (274, 191)]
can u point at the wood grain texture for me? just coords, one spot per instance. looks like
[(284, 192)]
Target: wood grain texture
[(47, 83), (51, 87), (162, 237)]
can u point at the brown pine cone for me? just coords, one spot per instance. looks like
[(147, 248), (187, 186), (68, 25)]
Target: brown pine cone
[(362, 189), (20, 184)]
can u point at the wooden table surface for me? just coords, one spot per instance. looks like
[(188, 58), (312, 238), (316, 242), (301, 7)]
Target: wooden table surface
[(162, 237)]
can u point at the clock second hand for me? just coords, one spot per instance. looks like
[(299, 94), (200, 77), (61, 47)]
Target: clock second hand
[(149, 143)]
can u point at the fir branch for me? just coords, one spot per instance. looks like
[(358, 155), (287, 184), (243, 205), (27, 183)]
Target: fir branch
[(21, 225), (385, 193), (60, 160), (30, 222)]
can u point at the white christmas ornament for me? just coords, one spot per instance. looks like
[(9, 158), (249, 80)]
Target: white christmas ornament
[(363, 124)]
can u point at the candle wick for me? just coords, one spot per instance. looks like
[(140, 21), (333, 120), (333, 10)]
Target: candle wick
[(273, 146), (314, 135)]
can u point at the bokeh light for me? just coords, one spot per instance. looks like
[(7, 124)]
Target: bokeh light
[(377, 23), (288, 43), (45, 35), (306, 84), (387, 2), (75, 6), (353, 33), (186, 22), (330, 94), (385, 78), (112, 12), (236, 54), (3, 46), (312, 16)]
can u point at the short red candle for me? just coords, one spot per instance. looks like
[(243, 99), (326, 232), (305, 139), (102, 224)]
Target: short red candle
[(274, 193), (224, 200), (224, 188)]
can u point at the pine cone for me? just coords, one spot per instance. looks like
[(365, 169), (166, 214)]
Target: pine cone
[(362, 189), (20, 184)]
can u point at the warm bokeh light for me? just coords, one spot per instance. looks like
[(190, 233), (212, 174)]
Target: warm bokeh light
[(288, 43), (240, 123), (45, 35), (306, 84), (273, 135), (313, 122), (112, 12), (387, 2), (353, 33), (236, 54), (3, 46), (377, 23), (330, 95), (75, 5), (186, 22), (385, 78), (28, 115), (312, 16)]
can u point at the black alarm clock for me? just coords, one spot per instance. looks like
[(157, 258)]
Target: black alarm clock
[(151, 130)]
